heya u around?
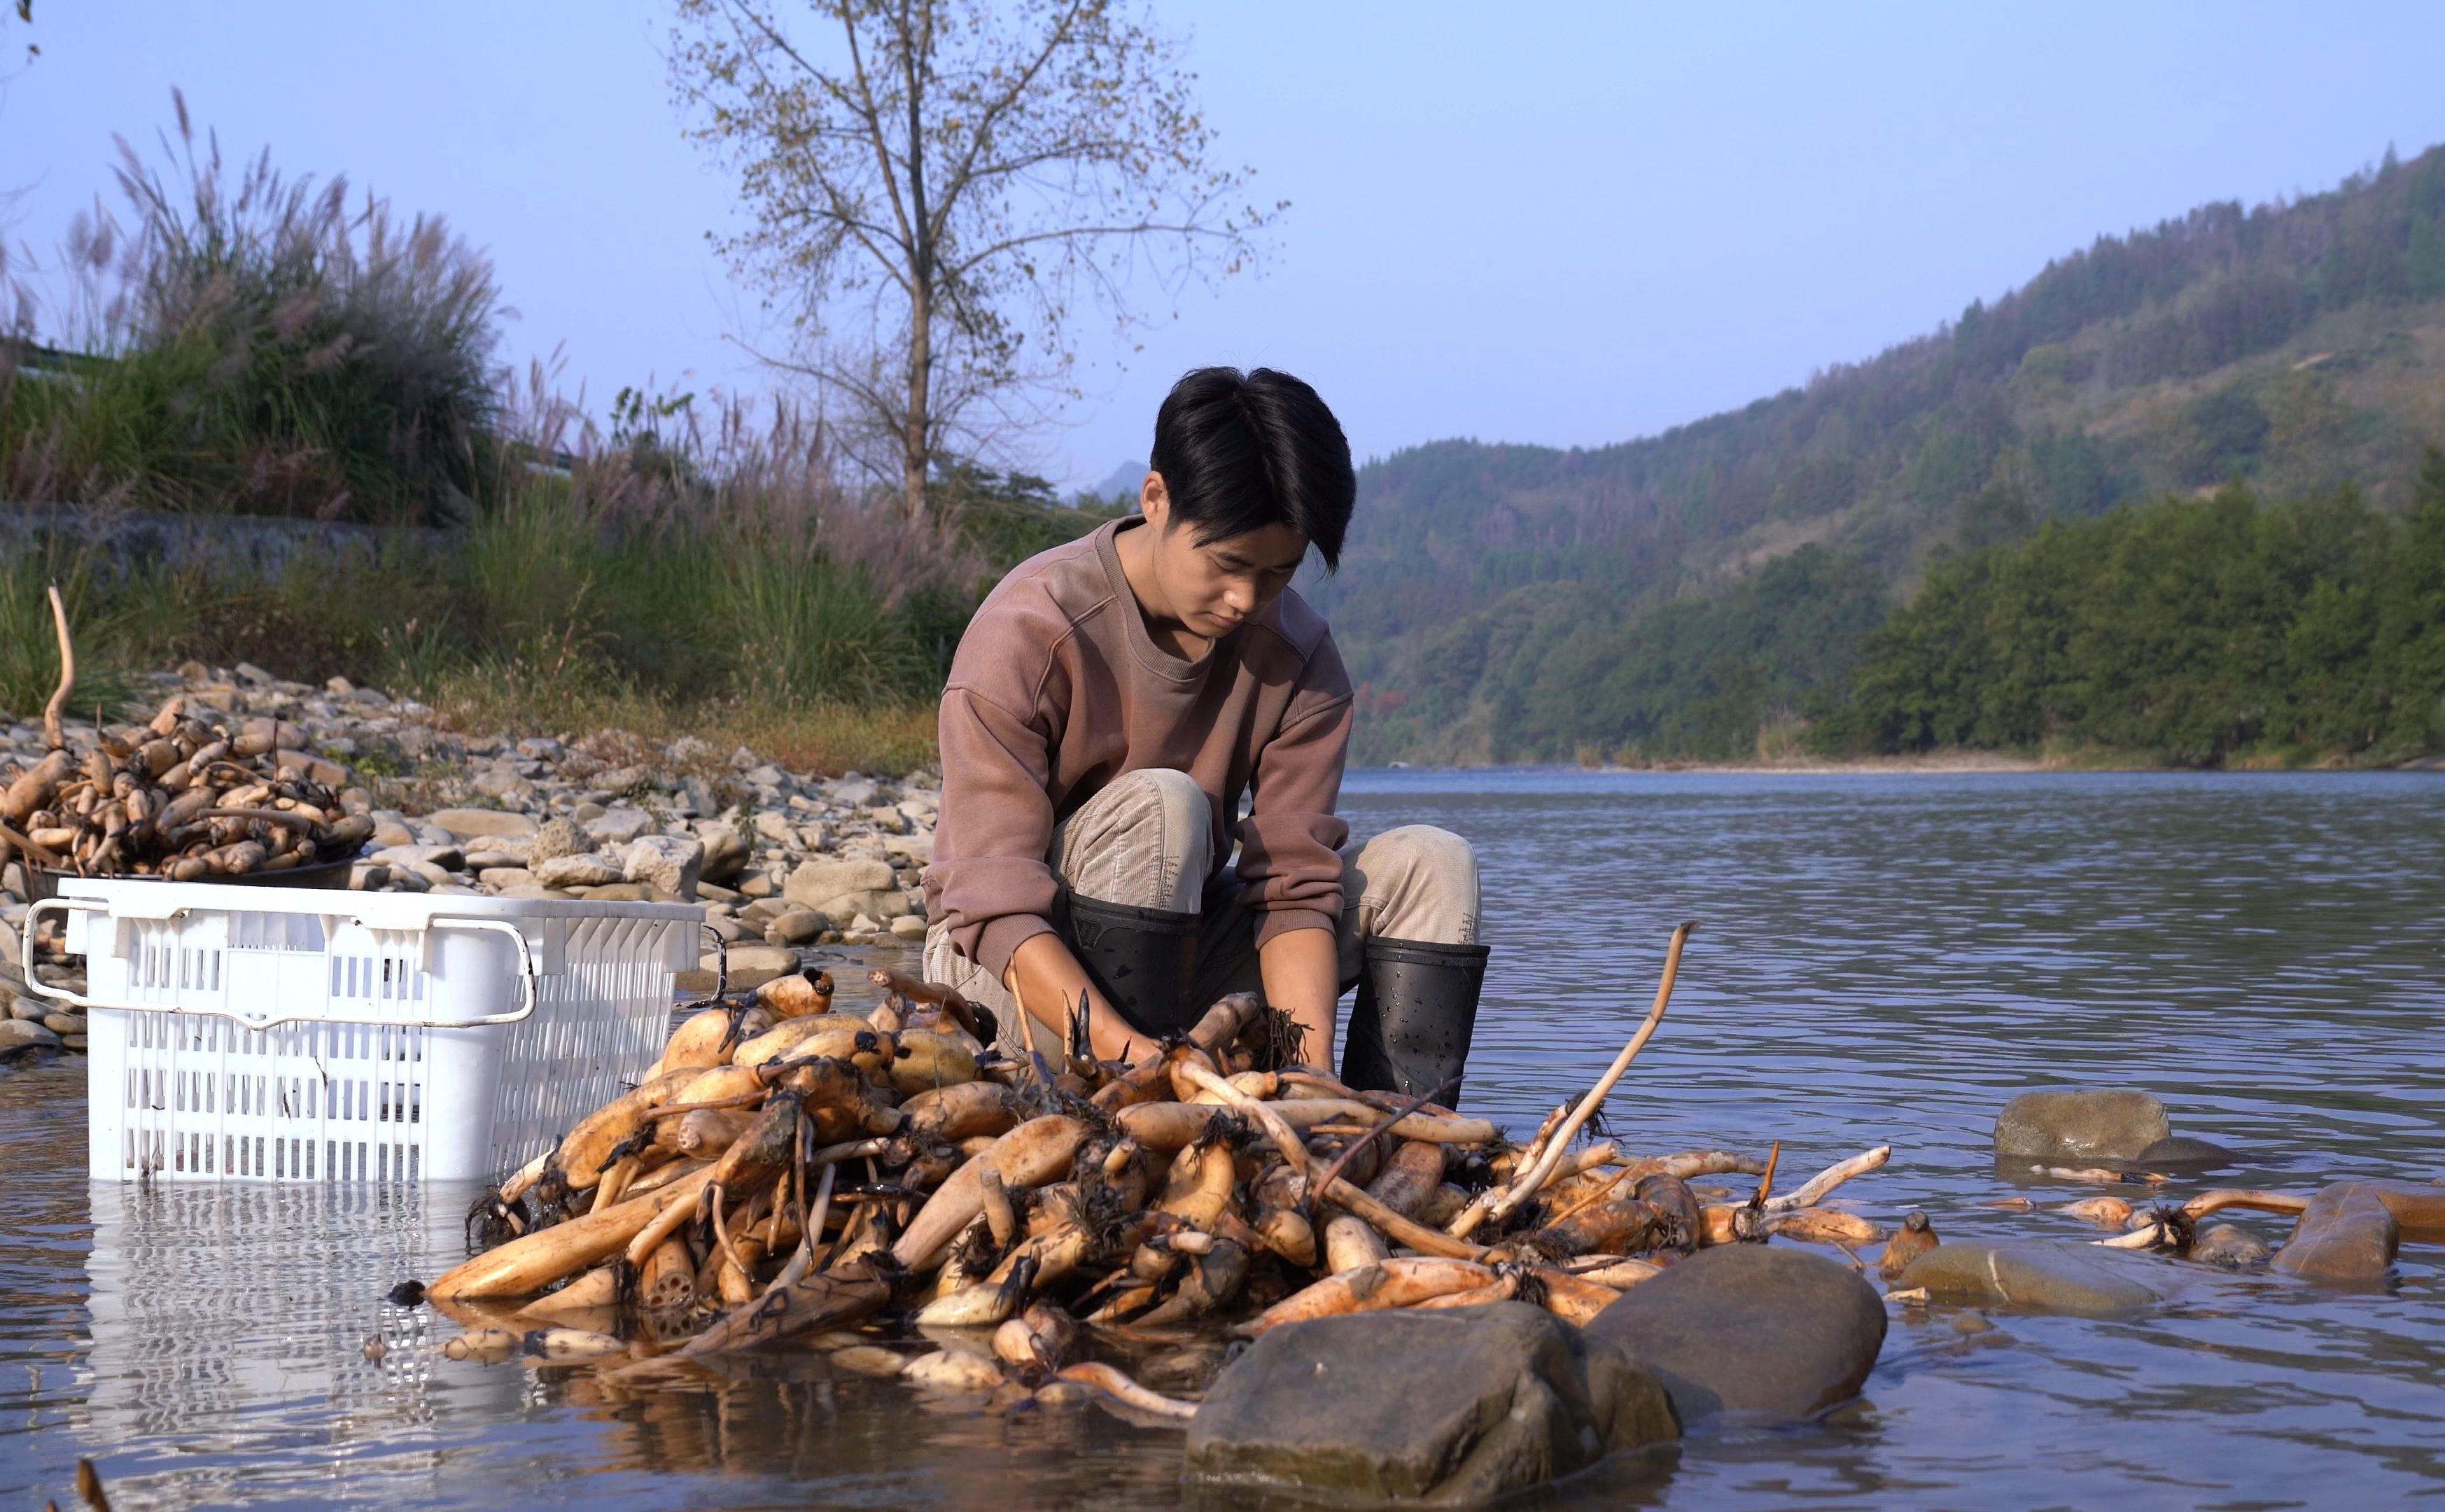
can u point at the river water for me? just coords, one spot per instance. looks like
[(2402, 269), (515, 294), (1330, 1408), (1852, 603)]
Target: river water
[(1880, 959)]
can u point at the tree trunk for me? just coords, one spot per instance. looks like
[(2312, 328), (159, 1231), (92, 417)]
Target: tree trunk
[(913, 457)]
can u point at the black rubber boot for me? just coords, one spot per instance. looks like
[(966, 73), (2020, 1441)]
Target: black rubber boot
[(1417, 1007), (1141, 959)]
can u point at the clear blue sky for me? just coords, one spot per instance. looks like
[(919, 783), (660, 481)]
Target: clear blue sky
[(1563, 224)]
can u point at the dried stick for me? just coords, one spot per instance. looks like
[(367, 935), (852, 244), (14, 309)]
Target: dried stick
[(51, 731), (2142, 1238), (2224, 1197), (1526, 1187), (1813, 1191), (1121, 1389)]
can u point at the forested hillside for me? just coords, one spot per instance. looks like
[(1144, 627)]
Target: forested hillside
[(1662, 597)]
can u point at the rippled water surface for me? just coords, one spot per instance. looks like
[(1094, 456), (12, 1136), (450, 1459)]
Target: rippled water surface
[(1880, 960)]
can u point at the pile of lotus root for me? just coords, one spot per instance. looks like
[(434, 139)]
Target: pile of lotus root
[(884, 1187), (183, 798)]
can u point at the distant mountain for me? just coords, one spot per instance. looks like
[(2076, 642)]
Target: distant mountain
[(1124, 479), (2296, 345)]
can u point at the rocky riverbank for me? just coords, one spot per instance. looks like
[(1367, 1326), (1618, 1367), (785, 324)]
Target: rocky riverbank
[(779, 860)]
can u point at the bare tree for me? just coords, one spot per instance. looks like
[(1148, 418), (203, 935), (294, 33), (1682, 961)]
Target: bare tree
[(933, 186)]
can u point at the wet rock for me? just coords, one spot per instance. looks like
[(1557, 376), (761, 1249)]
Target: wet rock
[(2080, 1128), (822, 885), (667, 863), (467, 824), (2182, 1152), (2033, 1275), (2346, 1233), (18, 1035), (1442, 1407), (587, 870), (1751, 1327), (2229, 1246)]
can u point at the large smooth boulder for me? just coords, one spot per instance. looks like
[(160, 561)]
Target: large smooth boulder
[(1751, 1328), (2080, 1128), (1441, 1406), (2033, 1275), (2347, 1233), (469, 824), (824, 884), (25, 1034)]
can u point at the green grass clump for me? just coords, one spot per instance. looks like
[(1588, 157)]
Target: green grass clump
[(261, 345)]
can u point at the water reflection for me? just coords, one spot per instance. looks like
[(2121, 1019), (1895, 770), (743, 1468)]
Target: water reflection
[(1880, 960)]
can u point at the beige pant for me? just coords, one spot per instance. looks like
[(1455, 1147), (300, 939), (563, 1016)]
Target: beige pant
[(1145, 841)]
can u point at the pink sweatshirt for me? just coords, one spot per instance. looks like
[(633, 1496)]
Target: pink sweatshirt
[(1058, 688)]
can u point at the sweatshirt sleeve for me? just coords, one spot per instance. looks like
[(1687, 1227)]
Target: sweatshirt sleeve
[(994, 887), (1290, 843)]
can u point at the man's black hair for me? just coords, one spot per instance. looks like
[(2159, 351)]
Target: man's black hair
[(1239, 451)]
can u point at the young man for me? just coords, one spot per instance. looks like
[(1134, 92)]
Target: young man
[(1112, 702)]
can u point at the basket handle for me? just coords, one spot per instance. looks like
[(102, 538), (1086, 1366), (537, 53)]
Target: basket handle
[(26, 951), (525, 979)]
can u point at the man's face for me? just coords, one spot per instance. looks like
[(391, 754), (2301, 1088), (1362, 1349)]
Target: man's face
[(1211, 589)]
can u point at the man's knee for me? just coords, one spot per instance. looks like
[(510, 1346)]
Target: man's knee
[(1146, 838), (1420, 854), (1420, 883), (1150, 796)]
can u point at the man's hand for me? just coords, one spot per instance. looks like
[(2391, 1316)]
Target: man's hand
[(1302, 973), (1045, 978)]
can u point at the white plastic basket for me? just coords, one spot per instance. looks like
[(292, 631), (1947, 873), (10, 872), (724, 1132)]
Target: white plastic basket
[(290, 1033)]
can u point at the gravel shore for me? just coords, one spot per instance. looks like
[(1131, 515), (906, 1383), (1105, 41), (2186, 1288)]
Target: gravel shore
[(778, 860)]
